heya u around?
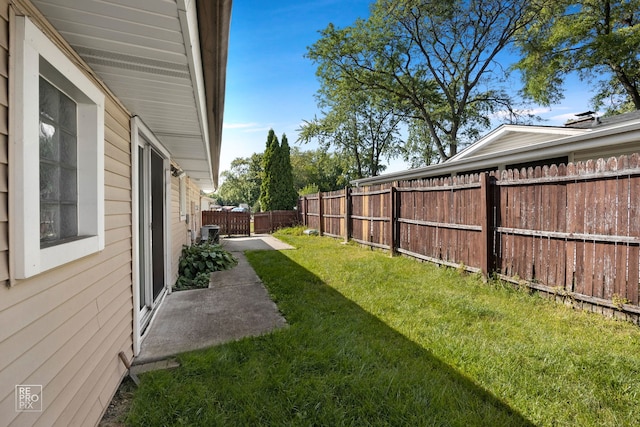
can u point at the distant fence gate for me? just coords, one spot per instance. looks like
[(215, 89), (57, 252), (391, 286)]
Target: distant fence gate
[(268, 222), (230, 223), (570, 230)]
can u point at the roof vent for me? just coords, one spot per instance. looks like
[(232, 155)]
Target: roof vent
[(583, 120)]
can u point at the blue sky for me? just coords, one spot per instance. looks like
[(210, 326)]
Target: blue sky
[(270, 84)]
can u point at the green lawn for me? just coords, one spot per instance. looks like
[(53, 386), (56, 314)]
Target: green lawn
[(375, 340)]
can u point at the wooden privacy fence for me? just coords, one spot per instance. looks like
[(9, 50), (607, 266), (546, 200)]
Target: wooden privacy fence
[(230, 223), (571, 230), (325, 212), (268, 222)]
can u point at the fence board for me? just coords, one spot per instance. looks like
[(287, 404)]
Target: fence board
[(268, 222), (230, 223)]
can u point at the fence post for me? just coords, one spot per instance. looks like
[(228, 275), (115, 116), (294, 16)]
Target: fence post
[(392, 218), (347, 213), (486, 206), (305, 208), (320, 221)]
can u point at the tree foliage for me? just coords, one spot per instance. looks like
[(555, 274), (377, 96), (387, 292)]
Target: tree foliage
[(360, 124), (320, 170), (270, 164), (598, 39), (241, 183), (276, 190), (287, 196), (312, 170), (433, 61)]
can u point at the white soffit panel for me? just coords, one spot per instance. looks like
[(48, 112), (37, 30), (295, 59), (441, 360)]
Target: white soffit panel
[(147, 53)]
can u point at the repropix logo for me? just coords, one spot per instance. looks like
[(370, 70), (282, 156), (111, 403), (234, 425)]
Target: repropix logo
[(29, 398)]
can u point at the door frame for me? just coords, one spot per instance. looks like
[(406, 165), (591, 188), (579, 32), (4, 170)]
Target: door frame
[(141, 135)]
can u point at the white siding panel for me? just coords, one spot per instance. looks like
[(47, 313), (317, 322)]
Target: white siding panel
[(106, 10), (81, 22), (64, 328)]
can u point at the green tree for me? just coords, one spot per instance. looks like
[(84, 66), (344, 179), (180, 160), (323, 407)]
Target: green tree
[(277, 191), (362, 125), (242, 182), (358, 125), (270, 163), (321, 169), (288, 195), (436, 61), (309, 189), (419, 151), (314, 170), (598, 39)]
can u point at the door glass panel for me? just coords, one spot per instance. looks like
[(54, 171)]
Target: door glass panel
[(141, 228), (157, 222)]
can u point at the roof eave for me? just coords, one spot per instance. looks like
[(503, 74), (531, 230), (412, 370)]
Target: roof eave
[(214, 19)]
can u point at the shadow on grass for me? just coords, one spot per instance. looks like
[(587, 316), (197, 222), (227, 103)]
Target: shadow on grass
[(334, 365)]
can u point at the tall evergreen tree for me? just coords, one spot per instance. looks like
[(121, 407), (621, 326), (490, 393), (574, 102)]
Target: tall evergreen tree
[(270, 161), (289, 194), (277, 191)]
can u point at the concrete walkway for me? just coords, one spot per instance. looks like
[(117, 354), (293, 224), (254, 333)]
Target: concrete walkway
[(235, 305)]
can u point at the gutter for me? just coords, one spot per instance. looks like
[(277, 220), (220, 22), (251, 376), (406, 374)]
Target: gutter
[(214, 23)]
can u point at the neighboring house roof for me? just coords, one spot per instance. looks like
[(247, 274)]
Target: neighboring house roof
[(166, 63), (511, 144), (505, 137)]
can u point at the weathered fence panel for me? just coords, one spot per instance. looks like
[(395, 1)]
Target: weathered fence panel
[(439, 220), (333, 217), (310, 210), (230, 223), (268, 222), (570, 230), (371, 213), (573, 229)]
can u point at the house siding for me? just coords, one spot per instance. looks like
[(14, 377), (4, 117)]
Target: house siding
[(63, 329), (193, 205), (513, 141), (180, 230), (4, 144)]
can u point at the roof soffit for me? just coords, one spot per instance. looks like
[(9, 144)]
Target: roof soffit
[(147, 52)]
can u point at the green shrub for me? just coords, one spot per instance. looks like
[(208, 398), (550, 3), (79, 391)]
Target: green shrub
[(293, 231), (198, 262)]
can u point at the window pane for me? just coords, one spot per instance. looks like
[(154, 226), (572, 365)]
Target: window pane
[(49, 222), (58, 165), (49, 182), (67, 114), (68, 185), (48, 141), (69, 220), (49, 100), (68, 151)]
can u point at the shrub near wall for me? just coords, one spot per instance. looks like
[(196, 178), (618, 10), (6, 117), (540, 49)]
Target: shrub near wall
[(198, 262)]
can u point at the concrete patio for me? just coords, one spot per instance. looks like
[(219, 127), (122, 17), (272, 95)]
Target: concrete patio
[(235, 305)]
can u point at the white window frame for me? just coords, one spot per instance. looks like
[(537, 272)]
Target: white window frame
[(34, 54)]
